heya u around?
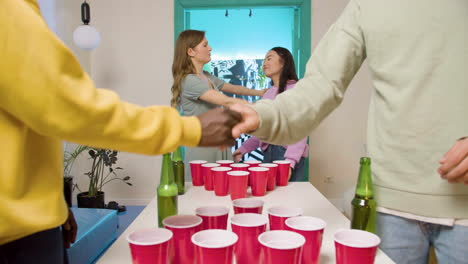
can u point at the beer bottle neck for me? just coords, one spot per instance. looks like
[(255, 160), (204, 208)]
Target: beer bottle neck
[(364, 187), (177, 155), (167, 173)]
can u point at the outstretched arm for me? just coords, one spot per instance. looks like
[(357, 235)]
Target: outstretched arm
[(43, 87), (218, 98), (296, 112), (241, 90)]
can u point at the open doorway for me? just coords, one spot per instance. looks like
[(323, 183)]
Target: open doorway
[(258, 25), (241, 32)]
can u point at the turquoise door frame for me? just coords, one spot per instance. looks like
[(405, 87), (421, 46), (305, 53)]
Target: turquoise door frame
[(302, 20), (301, 41)]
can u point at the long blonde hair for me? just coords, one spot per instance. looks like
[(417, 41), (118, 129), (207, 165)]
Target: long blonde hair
[(182, 64)]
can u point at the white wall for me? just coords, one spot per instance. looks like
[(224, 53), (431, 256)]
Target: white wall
[(63, 17), (338, 143), (135, 58)]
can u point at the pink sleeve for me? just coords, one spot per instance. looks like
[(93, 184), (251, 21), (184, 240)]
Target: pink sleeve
[(250, 145), (296, 151)]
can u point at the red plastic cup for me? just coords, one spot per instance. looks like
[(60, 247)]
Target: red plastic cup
[(225, 163), (195, 170), (280, 247), (355, 246), (252, 163), (247, 205), (239, 166), (214, 246), (312, 230), (208, 176), (271, 184), (258, 180), (238, 184), (221, 180), (150, 246), (279, 214), (248, 227), (283, 172), (214, 217), (183, 227)]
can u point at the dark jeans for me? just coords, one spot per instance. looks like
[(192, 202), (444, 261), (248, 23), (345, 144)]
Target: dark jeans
[(274, 152), (44, 247)]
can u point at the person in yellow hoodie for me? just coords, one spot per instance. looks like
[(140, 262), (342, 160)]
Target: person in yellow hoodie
[(46, 97)]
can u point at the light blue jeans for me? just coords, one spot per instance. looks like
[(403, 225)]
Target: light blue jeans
[(408, 241)]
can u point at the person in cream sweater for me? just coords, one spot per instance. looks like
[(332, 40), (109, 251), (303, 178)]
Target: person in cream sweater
[(417, 54)]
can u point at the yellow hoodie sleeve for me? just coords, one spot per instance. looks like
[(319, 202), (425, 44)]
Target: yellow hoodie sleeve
[(43, 86)]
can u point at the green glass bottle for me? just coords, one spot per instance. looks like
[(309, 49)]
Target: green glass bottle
[(363, 205), (179, 170), (167, 191)]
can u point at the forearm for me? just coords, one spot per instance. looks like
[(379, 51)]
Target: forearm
[(50, 93), (218, 98), (240, 90), (232, 101), (250, 145)]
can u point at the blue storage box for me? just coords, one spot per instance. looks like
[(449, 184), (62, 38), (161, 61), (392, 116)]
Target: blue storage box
[(97, 229)]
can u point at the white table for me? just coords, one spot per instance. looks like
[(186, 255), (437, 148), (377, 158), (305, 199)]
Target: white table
[(297, 194)]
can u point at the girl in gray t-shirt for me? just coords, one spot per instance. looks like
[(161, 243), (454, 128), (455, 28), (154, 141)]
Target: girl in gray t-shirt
[(195, 91)]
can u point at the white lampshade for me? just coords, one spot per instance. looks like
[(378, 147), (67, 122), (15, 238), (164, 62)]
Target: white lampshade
[(86, 37)]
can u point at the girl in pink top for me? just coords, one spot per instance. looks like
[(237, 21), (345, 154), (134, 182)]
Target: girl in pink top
[(279, 67)]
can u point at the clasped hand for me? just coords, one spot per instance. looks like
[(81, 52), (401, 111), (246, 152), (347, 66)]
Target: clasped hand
[(221, 126)]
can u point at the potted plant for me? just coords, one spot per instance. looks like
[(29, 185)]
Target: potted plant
[(69, 158), (102, 172)]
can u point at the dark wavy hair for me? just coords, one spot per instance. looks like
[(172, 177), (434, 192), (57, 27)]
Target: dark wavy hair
[(289, 68)]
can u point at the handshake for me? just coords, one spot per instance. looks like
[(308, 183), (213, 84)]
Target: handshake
[(221, 126)]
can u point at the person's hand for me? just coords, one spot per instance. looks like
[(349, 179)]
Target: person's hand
[(454, 164), (69, 229), (250, 120), (290, 173), (217, 126), (237, 155)]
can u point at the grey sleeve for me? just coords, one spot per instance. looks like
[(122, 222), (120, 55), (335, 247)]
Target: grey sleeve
[(193, 88), (218, 83)]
